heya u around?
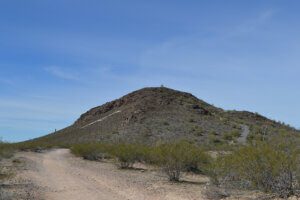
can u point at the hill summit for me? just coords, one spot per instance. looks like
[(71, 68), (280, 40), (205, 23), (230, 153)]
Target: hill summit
[(157, 114)]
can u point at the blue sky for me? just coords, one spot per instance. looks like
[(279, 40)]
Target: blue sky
[(58, 58)]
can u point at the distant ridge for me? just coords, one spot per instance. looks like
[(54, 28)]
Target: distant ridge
[(156, 114)]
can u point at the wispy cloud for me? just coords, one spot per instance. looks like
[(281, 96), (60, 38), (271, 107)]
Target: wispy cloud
[(254, 23), (62, 73), (224, 52)]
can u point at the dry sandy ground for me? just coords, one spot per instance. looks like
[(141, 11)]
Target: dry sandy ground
[(61, 176), (58, 175)]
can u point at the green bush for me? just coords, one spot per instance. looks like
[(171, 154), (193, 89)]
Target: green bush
[(269, 166), (128, 154), (6, 150), (37, 146), (178, 157), (214, 140), (236, 133), (96, 151), (229, 136), (172, 158), (258, 133)]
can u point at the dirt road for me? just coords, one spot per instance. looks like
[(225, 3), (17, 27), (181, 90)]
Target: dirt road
[(60, 176)]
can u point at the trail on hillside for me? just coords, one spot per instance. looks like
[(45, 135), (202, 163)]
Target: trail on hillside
[(244, 134), (59, 175), (103, 118)]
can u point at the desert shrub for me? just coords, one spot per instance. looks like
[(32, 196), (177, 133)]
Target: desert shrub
[(125, 154), (128, 154), (214, 140), (229, 136), (6, 150), (166, 123), (38, 146), (236, 133), (197, 130), (178, 157), (268, 166), (94, 151), (258, 133), (191, 120), (172, 158)]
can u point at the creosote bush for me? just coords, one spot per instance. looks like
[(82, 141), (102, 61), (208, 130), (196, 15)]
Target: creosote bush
[(271, 166), (96, 151), (128, 154), (37, 146), (233, 135), (125, 154), (6, 150), (173, 158), (178, 157)]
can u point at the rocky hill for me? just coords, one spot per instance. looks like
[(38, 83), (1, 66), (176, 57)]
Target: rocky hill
[(153, 114)]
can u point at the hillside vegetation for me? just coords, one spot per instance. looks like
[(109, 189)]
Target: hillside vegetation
[(272, 166), (173, 158), (176, 132), (150, 115)]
